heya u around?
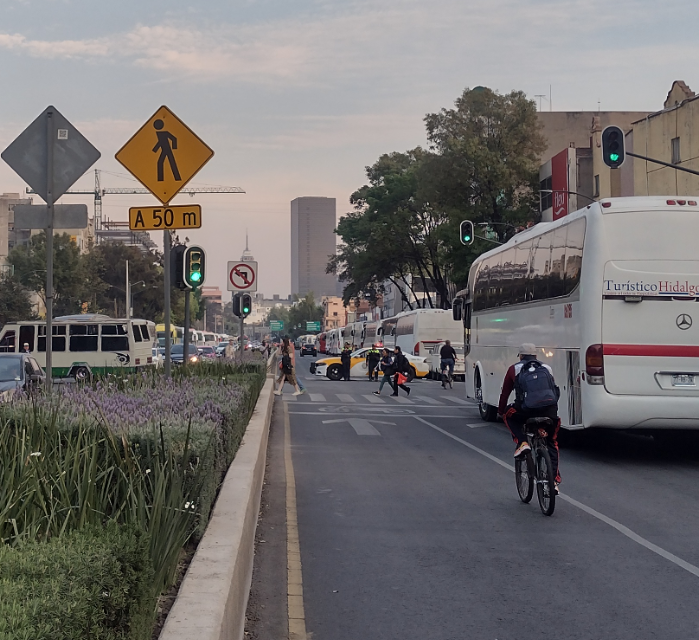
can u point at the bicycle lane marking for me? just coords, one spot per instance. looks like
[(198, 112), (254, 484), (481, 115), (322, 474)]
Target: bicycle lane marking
[(631, 535)]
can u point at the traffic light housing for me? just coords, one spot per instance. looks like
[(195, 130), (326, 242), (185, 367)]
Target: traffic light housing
[(194, 267), (236, 305), (613, 154), (177, 267), (245, 305), (467, 232)]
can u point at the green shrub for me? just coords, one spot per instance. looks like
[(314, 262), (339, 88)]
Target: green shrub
[(95, 583)]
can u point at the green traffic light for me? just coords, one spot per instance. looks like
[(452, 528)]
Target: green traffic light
[(467, 238), (195, 277), (614, 157)]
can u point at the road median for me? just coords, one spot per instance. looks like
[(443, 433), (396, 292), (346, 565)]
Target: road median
[(213, 597)]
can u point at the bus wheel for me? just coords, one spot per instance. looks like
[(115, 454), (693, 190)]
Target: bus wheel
[(488, 412), (334, 372), (81, 374)]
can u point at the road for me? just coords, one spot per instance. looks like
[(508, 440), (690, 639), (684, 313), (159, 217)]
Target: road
[(409, 527)]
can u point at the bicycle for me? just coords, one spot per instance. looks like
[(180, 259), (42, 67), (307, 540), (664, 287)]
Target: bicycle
[(537, 467), (447, 377)]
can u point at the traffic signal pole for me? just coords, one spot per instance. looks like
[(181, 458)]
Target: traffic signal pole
[(185, 337), (166, 296), (665, 164)]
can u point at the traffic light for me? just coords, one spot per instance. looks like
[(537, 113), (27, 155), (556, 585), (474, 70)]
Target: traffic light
[(236, 305), (194, 267), (245, 305), (177, 267), (467, 235), (613, 147)]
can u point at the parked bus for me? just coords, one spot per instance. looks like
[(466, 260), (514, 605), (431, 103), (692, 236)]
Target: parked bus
[(85, 344), (321, 343), (417, 331), (608, 300), (176, 334), (332, 342)]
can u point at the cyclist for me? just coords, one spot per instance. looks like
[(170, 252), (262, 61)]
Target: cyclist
[(447, 357), (516, 414)]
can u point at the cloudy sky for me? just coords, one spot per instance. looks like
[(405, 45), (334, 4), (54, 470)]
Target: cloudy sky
[(296, 97)]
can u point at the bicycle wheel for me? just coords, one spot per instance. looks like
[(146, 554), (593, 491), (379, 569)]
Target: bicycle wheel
[(545, 487), (524, 478)]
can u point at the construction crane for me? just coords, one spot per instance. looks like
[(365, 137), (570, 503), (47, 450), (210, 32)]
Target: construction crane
[(99, 192)]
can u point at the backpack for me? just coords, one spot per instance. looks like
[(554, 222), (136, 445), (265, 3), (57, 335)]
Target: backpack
[(287, 367), (535, 387)]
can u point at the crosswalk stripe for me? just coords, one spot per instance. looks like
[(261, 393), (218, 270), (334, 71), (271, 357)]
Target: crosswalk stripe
[(374, 399), (428, 400), (316, 397), (457, 400), (345, 397), (402, 400), (289, 397)]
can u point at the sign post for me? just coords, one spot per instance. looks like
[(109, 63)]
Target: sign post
[(164, 155), (50, 155)]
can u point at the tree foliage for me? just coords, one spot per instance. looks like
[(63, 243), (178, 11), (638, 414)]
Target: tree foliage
[(15, 300), (480, 164)]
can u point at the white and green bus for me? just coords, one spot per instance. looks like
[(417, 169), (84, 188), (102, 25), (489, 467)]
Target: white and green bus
[(85, 344)]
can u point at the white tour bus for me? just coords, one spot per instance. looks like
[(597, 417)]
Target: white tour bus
[(417, 331), (608, 294), (332, 342), (85, 344)]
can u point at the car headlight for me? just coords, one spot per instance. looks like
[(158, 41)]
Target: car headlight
[(194, 359)]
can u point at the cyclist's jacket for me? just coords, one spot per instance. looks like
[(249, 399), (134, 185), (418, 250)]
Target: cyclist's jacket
[(447, 353), (510, 378)]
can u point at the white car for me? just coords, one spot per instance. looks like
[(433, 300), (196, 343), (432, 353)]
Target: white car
[(436, 362), (332, 367)]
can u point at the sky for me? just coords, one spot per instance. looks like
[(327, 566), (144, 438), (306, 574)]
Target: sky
[(297, 97)]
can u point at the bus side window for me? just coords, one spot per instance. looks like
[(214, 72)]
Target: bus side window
[(7, 344), (113, 338), (26, 334), (467, 327), (574, 254), (146, 334), (137, 333), (83, 337)]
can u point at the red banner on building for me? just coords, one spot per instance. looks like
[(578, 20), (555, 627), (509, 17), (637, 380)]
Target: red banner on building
[(559, 184)]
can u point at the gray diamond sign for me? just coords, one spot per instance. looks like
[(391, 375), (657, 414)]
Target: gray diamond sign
[(28, 155)]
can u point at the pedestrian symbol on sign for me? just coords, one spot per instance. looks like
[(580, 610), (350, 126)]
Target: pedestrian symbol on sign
[(167, 143)]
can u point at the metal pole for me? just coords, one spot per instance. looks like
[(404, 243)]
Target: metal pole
[(166, 297), (128, 293), (242, 347), (664, 164), (50, 135), (185, 338)]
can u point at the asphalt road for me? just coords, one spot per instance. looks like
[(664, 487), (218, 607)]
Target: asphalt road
[(410, 526)]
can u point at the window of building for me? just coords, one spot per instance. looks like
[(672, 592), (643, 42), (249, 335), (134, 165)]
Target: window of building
[(676, 159), (546, 196), (596, 191)]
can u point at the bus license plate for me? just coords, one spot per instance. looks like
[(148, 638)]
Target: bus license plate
[(684, 380)]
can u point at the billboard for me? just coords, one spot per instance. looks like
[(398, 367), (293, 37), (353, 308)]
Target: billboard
[(559, 184)]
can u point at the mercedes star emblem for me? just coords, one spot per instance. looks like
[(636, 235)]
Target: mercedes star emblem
[(683, 321)]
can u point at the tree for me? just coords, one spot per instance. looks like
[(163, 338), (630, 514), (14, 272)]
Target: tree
[(302, 311), (69, 279), (15, 300), (481, 164)]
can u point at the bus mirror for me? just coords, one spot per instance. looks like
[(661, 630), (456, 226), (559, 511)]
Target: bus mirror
[(456, 310)]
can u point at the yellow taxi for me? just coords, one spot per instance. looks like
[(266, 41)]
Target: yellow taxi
[(332, 367)]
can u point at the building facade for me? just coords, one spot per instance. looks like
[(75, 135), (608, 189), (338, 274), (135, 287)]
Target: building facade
[(313, 222), (334, 313)]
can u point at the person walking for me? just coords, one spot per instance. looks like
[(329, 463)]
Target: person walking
[(386, 366), (401, 368), (373, 357), (346, 360), (286, 367), (230, 349)]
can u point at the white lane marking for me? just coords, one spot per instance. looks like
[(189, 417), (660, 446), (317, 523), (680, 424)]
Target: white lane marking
[(384, 414), (316, 397), (374, 399), (631, 535), (345, 397), (360, 425), (289, 397), (478, 426), (456, 400), (429, 400), (402, 400)]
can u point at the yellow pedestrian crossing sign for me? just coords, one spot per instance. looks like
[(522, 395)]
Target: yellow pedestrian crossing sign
[(164, 154)]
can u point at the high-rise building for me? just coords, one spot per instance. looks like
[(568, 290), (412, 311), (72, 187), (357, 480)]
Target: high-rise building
[(313, 222)]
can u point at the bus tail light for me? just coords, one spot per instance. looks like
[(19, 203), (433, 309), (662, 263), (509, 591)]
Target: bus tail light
[(416, 351), (594, 364)]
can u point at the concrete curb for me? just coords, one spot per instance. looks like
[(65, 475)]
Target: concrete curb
[(213, 597)]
